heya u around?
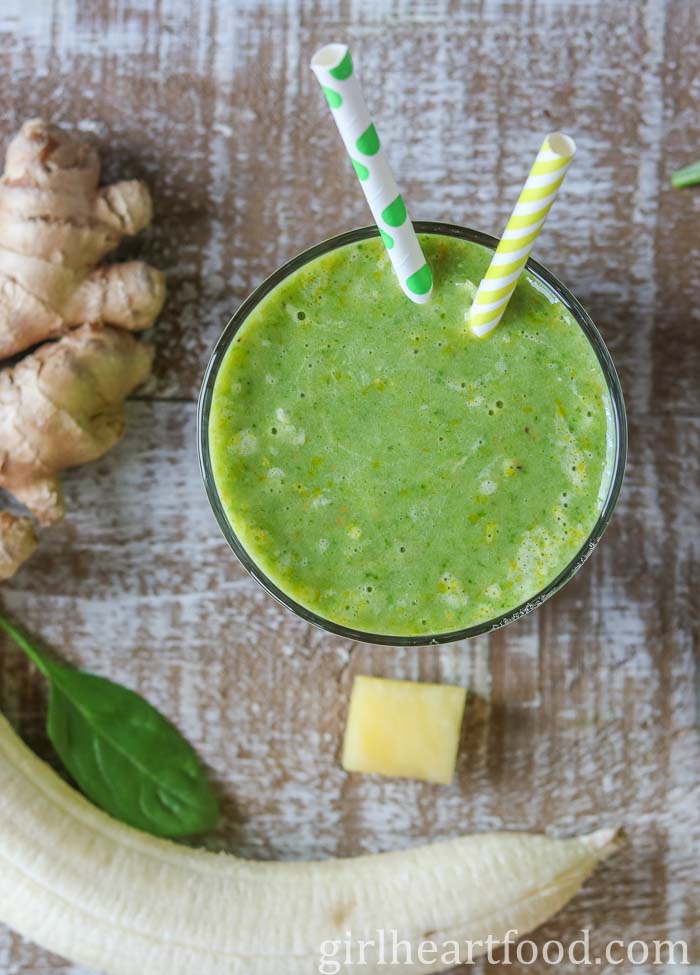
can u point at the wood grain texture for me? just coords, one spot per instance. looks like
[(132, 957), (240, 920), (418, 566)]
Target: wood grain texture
[(583, 714)]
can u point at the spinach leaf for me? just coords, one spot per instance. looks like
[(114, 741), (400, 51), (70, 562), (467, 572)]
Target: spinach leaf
[(124, 755), (686, 177)]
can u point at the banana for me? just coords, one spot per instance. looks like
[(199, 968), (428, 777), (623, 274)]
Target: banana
[(116, 900)]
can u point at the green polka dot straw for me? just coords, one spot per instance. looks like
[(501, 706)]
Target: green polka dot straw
[(335, 72)]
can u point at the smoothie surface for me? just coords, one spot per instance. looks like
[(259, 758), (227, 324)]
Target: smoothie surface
[(390, 471)]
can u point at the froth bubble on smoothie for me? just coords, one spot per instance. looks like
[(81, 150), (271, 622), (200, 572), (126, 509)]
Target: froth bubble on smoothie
[(393, 473)]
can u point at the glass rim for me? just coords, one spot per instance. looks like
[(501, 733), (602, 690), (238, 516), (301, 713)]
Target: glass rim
[(595, 340)]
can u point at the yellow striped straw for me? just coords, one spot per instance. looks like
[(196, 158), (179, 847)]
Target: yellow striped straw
[(534, 203)]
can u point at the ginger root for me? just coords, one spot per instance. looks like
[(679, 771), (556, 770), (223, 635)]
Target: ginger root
[(55, 226), (17, 542), (62, 404)]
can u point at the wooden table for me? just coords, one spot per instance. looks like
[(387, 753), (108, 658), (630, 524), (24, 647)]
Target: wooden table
[(584, 712)]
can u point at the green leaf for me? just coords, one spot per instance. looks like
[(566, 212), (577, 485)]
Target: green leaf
[(368, 142), (124, 755), (687, 176), (343, 70), (334, 98), (421, 281), (395, 214), (362, 171)]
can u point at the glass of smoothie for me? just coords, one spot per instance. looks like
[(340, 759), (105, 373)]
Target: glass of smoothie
[(389, 476)]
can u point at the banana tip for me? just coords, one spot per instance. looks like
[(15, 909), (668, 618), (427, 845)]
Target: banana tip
[(604, 842)]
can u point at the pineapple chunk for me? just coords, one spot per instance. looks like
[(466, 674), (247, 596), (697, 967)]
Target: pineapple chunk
[(403, 728)]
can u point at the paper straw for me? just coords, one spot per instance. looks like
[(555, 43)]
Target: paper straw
[(334, 70), (535, 200)]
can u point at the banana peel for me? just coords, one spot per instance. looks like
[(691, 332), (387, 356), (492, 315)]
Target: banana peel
[(117, 900)]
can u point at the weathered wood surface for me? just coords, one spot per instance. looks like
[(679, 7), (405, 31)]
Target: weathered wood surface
[(585, 712)]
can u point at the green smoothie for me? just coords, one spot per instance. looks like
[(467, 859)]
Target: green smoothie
[(391, 472)]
